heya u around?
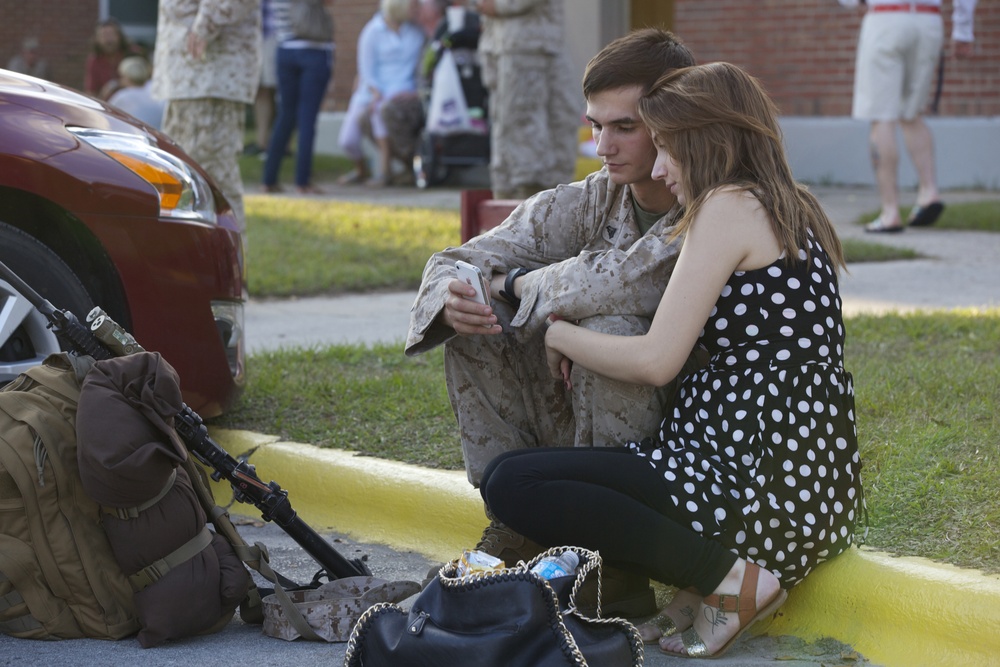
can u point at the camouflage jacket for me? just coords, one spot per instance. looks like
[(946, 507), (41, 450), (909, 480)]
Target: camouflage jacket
[(585, 251), (230, 69), (524, 26)]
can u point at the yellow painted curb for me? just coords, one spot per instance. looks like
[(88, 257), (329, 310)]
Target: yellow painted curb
[(897, 612)]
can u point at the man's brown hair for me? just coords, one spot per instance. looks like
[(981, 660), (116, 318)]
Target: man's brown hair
[(637, 59)]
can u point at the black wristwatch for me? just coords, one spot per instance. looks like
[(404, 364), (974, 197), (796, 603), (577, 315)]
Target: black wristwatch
[(507, 293)]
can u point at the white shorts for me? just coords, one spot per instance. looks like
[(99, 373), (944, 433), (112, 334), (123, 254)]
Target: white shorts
[(269, 62), (898, 54)]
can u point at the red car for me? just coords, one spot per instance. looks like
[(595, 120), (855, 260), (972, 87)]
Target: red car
[(98, 209)]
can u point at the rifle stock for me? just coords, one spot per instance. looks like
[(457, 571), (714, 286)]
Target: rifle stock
[(269, 498)]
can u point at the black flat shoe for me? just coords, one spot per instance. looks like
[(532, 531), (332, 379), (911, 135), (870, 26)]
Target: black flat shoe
[(924, 216)]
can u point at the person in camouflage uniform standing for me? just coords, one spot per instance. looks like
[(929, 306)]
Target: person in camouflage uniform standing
[(207, 67), (534, 114), (594, 251)]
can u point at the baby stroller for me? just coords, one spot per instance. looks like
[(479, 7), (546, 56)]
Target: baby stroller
[(456, 132)]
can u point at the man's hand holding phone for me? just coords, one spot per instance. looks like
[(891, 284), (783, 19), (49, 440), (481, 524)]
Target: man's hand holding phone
[(467, 309)]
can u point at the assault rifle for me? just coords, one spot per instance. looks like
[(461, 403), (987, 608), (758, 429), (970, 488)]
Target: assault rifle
[(104, 339)]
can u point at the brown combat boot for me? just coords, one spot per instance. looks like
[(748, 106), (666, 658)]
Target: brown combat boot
[(623, 593), (501, 542)]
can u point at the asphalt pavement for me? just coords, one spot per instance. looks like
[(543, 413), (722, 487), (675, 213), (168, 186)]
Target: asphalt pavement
[(402, 519)]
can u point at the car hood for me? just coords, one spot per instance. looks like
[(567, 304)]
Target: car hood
[(73, 107)]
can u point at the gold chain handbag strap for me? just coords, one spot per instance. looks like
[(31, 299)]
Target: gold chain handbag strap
[(589, 562)]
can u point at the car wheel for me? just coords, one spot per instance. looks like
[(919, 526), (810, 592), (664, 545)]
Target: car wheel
[(25, 339)]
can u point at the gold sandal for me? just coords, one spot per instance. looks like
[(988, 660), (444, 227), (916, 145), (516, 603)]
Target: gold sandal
[(743, 604), (662, 625), (657, 628)]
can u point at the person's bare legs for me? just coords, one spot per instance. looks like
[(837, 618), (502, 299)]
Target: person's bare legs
[(885, 162), (920, 146)]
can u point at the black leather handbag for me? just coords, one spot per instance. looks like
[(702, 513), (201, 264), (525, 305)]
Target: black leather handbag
[(501, 618)]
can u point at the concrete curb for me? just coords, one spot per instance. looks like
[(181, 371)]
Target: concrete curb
[(897, 612)]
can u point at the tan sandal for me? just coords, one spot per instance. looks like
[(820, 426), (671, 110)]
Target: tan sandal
[(744, 604)]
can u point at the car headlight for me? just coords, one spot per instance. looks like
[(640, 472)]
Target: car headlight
[(183, 192)]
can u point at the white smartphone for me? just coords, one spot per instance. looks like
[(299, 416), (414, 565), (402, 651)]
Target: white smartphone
[(471, 275)]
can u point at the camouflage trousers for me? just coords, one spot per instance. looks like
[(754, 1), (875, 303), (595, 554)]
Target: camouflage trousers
[(505, 399), (534, 121), (210, 130)]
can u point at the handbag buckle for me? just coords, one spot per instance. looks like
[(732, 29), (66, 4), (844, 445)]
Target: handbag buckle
[(417, 626)]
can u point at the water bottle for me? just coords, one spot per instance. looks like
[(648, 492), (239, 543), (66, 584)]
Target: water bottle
[(551, 567)]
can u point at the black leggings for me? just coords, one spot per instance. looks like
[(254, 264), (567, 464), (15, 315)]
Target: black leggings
[(608, 500)]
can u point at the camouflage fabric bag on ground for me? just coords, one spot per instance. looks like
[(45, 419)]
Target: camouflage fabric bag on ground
[(58, 577), (329, 612)]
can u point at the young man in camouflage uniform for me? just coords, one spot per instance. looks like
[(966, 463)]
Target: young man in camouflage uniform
[(593, 251), (207, 67)]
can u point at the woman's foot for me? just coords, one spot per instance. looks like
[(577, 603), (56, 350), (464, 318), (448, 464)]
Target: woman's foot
[(675, 617), (880, 226), (308, 190), (353, 177), (378, 182), (271, 189), (746, 595)]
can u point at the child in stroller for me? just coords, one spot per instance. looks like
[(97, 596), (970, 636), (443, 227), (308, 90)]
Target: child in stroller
[(456, 132)]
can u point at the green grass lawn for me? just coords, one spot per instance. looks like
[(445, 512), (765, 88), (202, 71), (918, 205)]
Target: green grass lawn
[(313, 246), (983, 216), (326, 169), (309, 246)]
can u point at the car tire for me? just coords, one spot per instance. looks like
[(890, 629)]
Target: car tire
[(25, 339)]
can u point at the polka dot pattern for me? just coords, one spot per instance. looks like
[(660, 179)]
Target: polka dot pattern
[(760, 452)]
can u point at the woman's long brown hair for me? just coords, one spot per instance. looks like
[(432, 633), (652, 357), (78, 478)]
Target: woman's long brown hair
[(717, 122)]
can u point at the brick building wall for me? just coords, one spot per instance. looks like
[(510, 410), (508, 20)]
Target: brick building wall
[(803, 52), (349, 17), (64, 28)]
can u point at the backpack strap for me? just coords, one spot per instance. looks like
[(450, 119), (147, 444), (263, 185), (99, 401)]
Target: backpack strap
[(152, 573), (126, 513), (21, 624)]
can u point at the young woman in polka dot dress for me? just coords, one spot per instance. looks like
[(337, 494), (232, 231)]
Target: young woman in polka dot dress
[(754, 477)]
